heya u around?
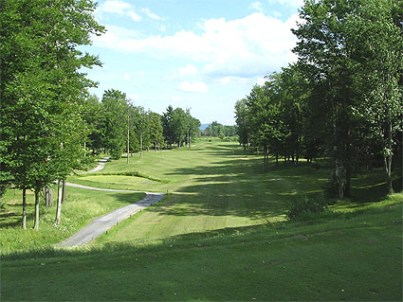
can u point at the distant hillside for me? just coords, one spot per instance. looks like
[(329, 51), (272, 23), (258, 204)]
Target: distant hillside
[(203, 127)]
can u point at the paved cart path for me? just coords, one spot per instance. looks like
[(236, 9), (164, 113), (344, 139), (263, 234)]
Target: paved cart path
[(101, 224)]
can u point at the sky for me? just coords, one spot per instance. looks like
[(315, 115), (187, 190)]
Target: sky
[(201, 55)]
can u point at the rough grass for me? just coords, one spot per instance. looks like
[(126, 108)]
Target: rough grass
[(80, 207)]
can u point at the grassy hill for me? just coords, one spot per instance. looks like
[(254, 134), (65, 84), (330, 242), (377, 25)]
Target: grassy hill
[(221, 234)]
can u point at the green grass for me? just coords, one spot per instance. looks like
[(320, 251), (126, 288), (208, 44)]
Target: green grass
[(221, 234), (343, 257), (80, 207), (211, 187)]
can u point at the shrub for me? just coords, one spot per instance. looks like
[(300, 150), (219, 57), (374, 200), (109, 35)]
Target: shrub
[(306, 207)]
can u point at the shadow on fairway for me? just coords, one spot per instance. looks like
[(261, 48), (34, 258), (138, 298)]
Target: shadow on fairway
[(239, 187)]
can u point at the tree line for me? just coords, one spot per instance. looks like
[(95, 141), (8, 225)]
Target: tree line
[(116, 125), (216, 129), (342, 99), (49, 123)]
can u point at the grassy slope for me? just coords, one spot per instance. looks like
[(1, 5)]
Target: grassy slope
[(347, 257), (209, 240)]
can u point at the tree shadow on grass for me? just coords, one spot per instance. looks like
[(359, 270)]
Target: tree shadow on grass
[(238, 187), (371, 187), (128, 198)]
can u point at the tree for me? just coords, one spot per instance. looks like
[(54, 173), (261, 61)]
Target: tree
[(215, 129), (264, 120), (326, 56), (155, 129), (378, 42), (114, 123), (40, 83), (167, 126), (179, 124), (242, 122), (193, 125), (92, 112), (351, 51)]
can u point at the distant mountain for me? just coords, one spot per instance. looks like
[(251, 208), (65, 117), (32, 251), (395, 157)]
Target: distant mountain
[(203, 127)]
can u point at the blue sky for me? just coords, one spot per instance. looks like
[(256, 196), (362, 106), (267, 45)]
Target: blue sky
[(198, 54)]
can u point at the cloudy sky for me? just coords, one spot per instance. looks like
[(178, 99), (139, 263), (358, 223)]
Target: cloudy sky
[(197, 54)]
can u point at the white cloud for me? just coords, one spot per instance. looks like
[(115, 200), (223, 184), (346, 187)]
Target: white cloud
[(150, 14), (193, 86), (188, 70), (134, 16), (227, 80), (115, 7), (257, 6), (119, 8), (288, 3), (245, 47)]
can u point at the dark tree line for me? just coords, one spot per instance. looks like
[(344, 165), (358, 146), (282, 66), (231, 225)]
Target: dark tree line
[(342, 99)]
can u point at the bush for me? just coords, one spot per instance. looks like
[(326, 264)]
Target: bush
[(306, 207)]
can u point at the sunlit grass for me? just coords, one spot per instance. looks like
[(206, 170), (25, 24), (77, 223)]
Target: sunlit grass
[(80, 207)]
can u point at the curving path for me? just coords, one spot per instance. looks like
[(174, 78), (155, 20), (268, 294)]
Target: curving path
[(101, 165), (101, 224)]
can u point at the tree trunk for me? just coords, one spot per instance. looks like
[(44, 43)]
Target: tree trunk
[(347, 189), (24, 208), (36, 222), (48, 196), (388, 156), (340, 178), (298, 150), (59, 202), (266, 158), (63, 190)]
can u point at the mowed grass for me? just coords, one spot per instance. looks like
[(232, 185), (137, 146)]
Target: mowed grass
[(343, 257), (212, 186), (81, 206), (221, 234)]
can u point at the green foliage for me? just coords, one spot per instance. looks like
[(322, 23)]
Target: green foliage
[(41, 84), (179, 126), (342, 99), (306, 208), (114, 122)]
